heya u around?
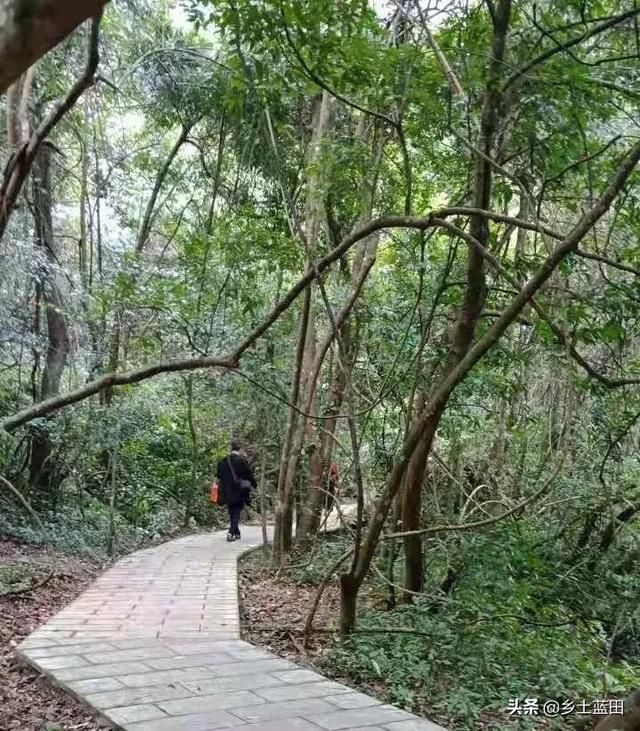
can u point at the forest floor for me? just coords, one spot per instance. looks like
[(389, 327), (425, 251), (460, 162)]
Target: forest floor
[(273, 612), (28, 701)]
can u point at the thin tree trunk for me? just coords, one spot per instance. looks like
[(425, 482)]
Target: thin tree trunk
[(84, 178), (364, 258), (262, 496), (314, 216), (111, 536), (193, 486), (281, 507), (150, 210)]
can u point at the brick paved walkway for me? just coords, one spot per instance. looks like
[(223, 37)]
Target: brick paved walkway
[(153, 645)]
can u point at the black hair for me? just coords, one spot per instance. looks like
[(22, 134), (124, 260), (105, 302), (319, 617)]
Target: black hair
[(235, 445)]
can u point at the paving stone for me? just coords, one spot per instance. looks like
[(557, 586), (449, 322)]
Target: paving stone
[(97, 685), (161, 677), (135, 642), (354, 700), (140, 653), (298, 676), (202, 703), (198, 647), (375, 715), (196, 722), (298, 691), (188, 661), (133, 696), (60, 662), (252, 653), (130, 714), (291, 724), (32, 643), (272, 711), (252, 666), (236, 682), (55, 650), (100, 671), (414, 725)]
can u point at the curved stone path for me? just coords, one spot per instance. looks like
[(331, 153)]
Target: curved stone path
[(154, 645)]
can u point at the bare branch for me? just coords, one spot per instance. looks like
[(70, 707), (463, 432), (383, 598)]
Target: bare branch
[(113, 379), (487, 521), (576, 40), (609, 262)]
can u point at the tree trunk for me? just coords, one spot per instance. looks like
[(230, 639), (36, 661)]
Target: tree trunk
[(474, 294), (262, 496), (193, 487), (348, 603), (411, 514), (83, 265), (279, 541), (111, 535), (42, 473), (150, 210), (364, 258), (422, 434), (321, 457)]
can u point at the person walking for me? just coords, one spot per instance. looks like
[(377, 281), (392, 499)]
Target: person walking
[(236, 479)]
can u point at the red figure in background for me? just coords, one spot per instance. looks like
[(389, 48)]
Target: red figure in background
[(332, 486)]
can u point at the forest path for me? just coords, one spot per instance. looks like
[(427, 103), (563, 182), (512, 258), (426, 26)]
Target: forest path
[(154, 645)]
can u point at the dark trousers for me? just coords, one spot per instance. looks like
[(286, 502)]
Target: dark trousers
[(234, 519)]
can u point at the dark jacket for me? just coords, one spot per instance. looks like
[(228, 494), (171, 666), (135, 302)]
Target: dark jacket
[(230, 489)]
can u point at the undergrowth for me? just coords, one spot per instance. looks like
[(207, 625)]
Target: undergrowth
[(86, 529)]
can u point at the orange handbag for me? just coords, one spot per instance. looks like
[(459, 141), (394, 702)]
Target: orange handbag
[(214, 494)]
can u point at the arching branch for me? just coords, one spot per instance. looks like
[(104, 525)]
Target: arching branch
[(568, 244), (27, 34)]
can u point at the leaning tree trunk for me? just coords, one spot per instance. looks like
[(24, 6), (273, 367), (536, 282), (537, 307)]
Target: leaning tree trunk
[(42, 471), (282, 508), (474, 294)]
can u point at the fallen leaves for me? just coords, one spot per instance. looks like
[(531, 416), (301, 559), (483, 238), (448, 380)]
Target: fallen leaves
[(29, 702)]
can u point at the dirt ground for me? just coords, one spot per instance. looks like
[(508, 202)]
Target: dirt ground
[(267, 606), (28, 702)]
